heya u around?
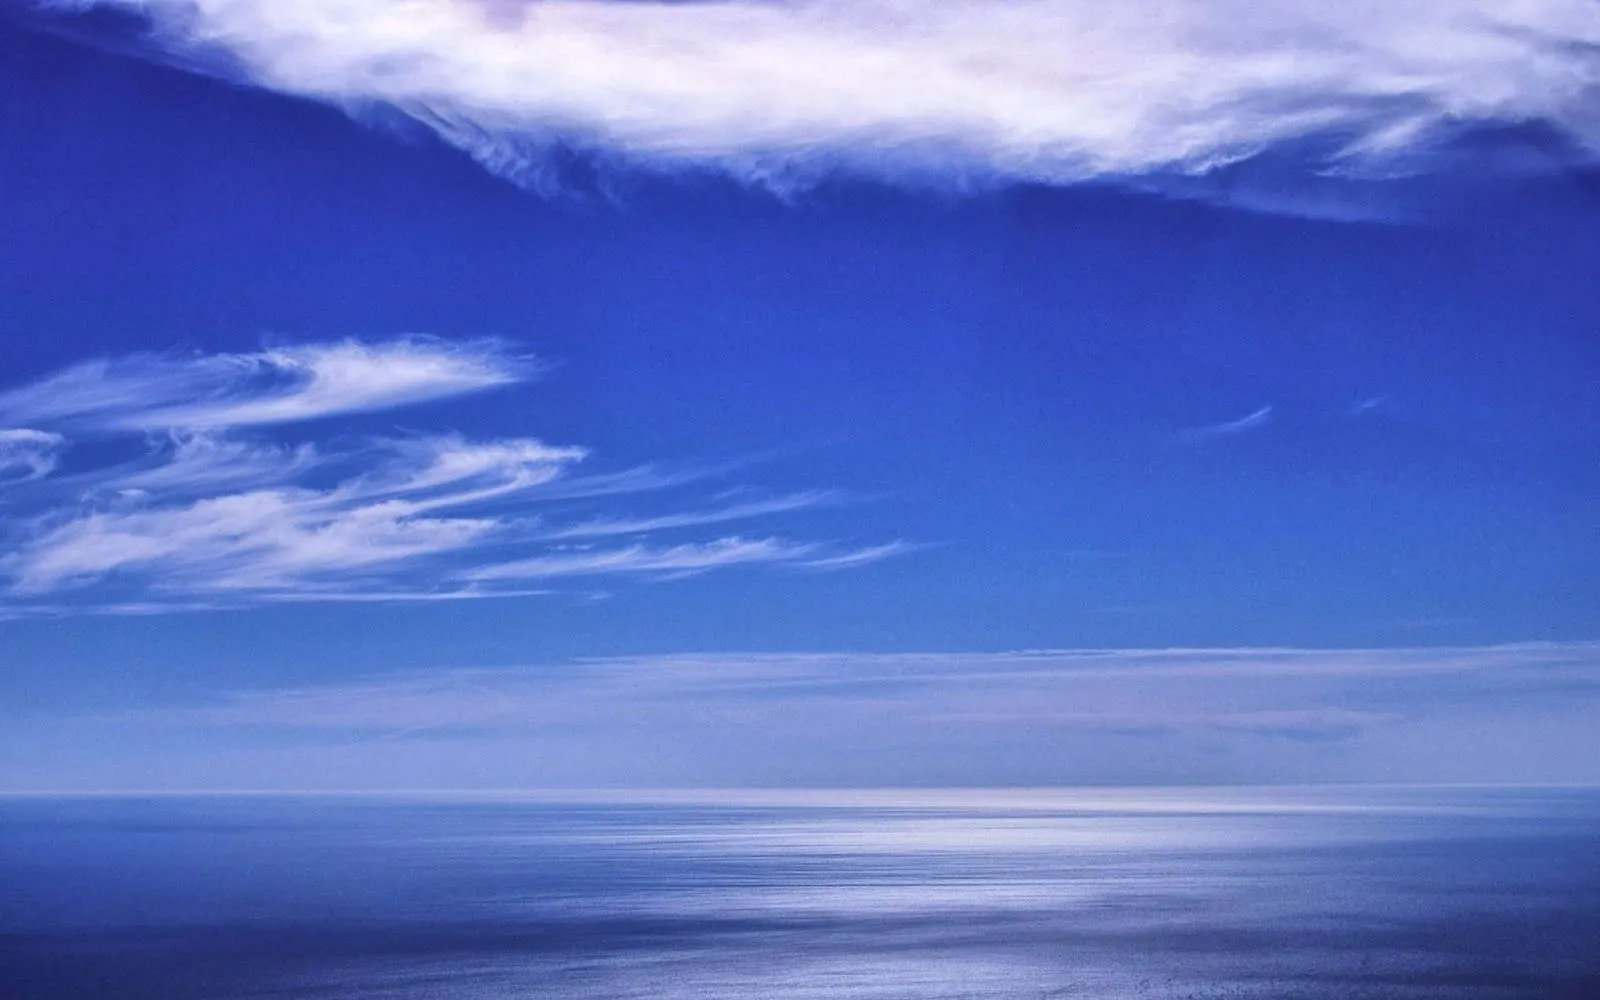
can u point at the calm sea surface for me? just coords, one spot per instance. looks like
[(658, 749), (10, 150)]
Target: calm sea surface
[(1093, 893)]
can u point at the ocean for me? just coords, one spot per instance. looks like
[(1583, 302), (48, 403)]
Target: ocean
[(1201, 894)]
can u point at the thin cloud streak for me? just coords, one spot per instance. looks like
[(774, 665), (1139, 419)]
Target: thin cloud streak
[(209, 517), (953, 90), (1229, 428), (205, 461), (963, 682), (1211, 714), (283, 385), (604, 527), (861, 557), (691, 557), (28, 454), (262, 540)]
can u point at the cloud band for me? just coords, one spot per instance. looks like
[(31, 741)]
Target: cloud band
[(209, 513), (1048, 90)]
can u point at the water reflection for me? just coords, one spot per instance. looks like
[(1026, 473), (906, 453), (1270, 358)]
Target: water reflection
[(1279, 893)]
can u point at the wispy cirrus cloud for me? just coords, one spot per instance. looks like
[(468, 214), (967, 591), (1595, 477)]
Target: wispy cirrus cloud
[(689, 557), (860, 557), (1085, 688), (1228, 428), (27, 454), (202, 461), (602, 527), (281, 385), (1050, 715), (1047, 90), (210, 514)]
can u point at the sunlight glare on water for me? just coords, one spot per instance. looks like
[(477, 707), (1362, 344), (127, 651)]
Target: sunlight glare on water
[(1316, 894)]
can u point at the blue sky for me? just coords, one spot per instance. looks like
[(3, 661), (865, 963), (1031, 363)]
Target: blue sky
[(349, 356)]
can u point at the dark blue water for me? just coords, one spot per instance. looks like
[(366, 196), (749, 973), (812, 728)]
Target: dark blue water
[(1289, 893)]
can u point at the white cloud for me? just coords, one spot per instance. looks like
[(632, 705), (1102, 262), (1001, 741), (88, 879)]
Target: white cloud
[(732, 512), (860, 557), (1036, 716), (1054, 90), (208, 516), (268, 540), (27, 454), (206, 461), (282, 385), (1228, 428), (1254, 687), (689, 557), (451, 471)]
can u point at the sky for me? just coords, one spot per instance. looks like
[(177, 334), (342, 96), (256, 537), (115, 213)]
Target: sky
[(487, 393)]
